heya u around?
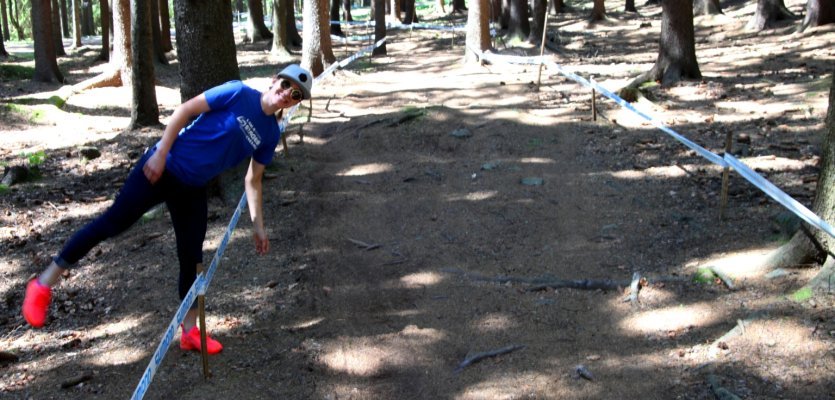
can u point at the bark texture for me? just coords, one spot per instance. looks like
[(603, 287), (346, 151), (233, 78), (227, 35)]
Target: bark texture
[(104, 55), (379, 27), (119, 69), (144, 111), (201, 66), (478, 29), (317, 51), (281, 44), (46, 64), (818, 12), (56, 29), (769, 13), (256, 28), (677, 54), (518, 26)]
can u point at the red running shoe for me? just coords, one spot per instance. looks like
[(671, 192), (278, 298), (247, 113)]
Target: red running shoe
[(36, 303), (191, 341)]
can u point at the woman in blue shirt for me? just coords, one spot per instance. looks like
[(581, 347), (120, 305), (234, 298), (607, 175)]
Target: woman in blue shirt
[(206, 135)]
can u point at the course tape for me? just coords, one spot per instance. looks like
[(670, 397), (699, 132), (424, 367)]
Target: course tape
[(201, 283), (725, 161)]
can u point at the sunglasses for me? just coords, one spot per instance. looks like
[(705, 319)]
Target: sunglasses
[(295, 94)]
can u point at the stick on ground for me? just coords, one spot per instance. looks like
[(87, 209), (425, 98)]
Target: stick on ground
[(480, 356)]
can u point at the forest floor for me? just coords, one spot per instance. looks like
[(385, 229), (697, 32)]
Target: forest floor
[(400, 248)]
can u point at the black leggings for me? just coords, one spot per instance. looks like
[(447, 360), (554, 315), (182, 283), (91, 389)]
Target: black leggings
[(186, 204)]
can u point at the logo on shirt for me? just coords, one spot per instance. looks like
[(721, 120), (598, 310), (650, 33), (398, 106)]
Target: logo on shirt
[(250, 132)]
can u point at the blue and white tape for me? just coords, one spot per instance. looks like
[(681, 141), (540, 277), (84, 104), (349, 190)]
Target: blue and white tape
[(201, 283), (725, 161)]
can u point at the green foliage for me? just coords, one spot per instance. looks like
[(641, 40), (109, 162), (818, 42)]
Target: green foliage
[(15, 72), (3, 189), (802, 295), (704, 275), (35, 159)]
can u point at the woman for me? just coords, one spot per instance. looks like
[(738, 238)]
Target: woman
[(233, 122)]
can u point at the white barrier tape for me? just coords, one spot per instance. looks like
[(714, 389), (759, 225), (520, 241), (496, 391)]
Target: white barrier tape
[(778, 195), (156, 360), (201, 283), (727, 161)]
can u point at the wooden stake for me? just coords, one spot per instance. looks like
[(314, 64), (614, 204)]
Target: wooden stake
[(201, 310), (593, 102), (725, 177), (542, 45)]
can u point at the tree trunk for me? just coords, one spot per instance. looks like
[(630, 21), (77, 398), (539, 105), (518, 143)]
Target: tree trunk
[(807, 245), (538, 21), (459, 7), (409, 12), (65, 23), (598, 11), (630, 6), (76, 24), (558, 6), (203, 67), (336, 28), (706, 7), (87, 26), (346, 11), (281, 45), (677, 54), (818, 12), (292, 32), (5, 21), (156, 33), (145, 111), (46, 64), (3, 52), (478, 29), (395, 10), (317, 51), (256, 28), (518, 27), (768, 13), (504, 15), (379, 27), (56, 30), (165, 26), (119, 69), (104, 55)]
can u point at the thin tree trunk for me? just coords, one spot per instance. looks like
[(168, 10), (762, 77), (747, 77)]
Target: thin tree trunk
[(56, 29), (65, 22), (706, 7), (3, 52), (478, 29), (677, 54), (156, 34), (379, 27), (46, 63), (537, 21), (518, 26), (256, 28), (281, 44), (165, 26), (120, 65), (346, 11), (768, 14), (459, 7), (317, 52), (104, 15), (395, 9), (292, 32), (5, 21), (145, 111), (336, 28), (76, 18), (87, 26), (630, 6), (598, 11)]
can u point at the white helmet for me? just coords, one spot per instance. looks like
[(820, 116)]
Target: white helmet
[(299, 76)]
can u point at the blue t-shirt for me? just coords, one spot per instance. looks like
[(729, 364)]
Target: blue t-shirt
[(235, 129)]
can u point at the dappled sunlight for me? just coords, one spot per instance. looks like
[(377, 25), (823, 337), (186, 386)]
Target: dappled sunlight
[(525, 385), (739, 264), (473, 196), (421, 279), (672, 171), (673, 318), (372, 355), (366, 169), (537, 160), (494, 322), (305, 324), (119, 355)]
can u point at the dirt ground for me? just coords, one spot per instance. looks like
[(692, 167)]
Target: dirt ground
[(401, 248)]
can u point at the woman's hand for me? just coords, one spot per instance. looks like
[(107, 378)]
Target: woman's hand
[(154, 167), (262, 242)]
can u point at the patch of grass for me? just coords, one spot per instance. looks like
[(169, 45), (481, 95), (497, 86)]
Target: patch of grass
[(704, 275), (819, 86), (15, 72), (802, 295), (35, 159), (4, 189)]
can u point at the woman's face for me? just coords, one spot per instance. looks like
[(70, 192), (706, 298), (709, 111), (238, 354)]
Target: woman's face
[(283, 93)]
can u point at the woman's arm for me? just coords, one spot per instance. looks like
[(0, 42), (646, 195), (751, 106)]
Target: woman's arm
[(155, 165), (252, 185)]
